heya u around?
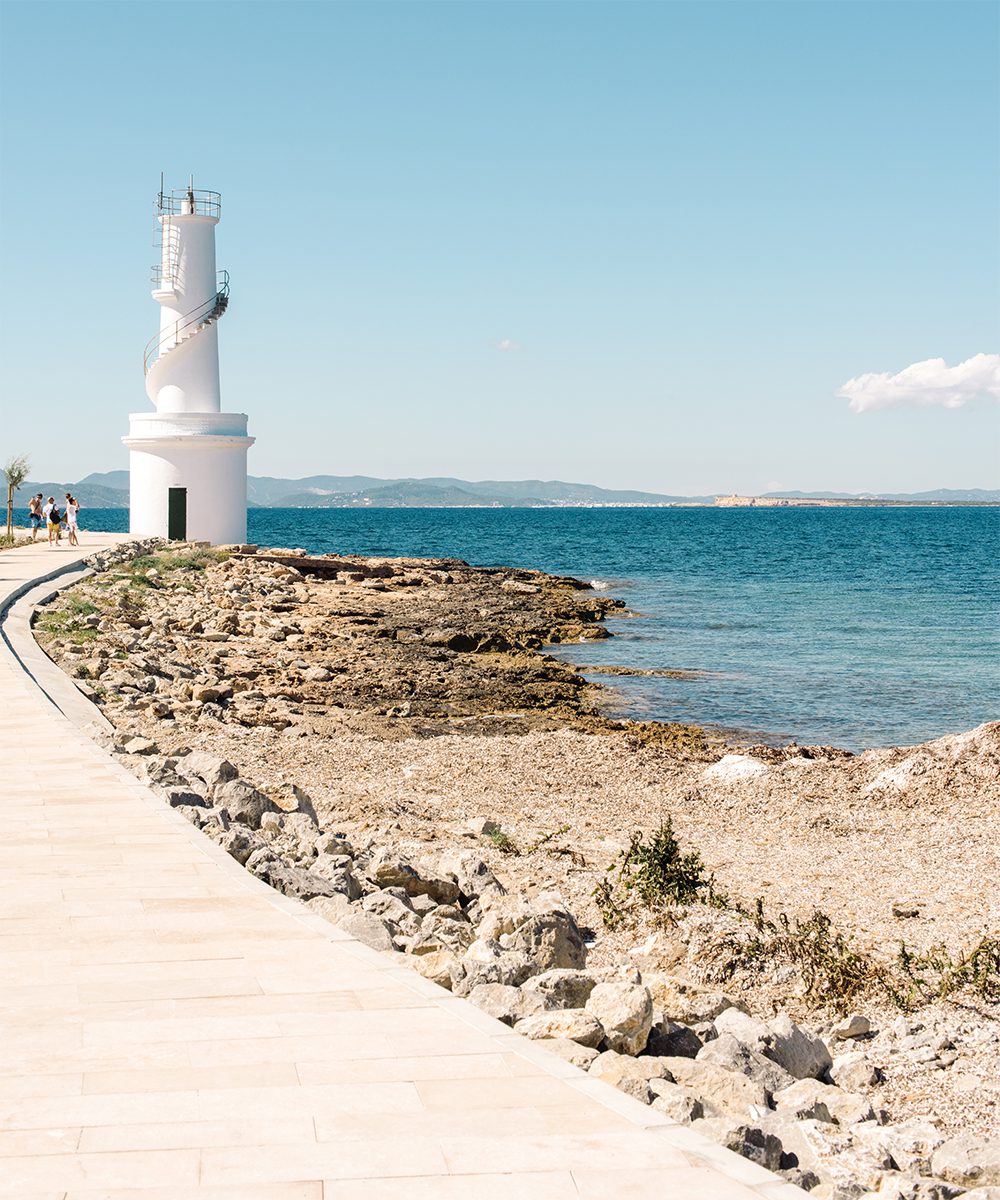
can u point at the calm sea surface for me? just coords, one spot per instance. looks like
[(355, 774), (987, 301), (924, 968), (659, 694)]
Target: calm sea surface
[(852, 627)]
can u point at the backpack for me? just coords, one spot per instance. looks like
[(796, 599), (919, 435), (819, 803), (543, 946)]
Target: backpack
[(54, 517)]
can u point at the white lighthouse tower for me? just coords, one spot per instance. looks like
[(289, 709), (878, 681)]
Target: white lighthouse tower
[(188, 459)]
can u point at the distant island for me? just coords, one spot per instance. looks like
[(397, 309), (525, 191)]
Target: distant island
[(109, 489)]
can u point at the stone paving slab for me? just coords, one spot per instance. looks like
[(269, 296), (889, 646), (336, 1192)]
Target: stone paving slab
[(172, 1027)]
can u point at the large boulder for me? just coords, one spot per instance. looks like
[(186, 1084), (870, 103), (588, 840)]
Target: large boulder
[(854, 1072), (562, 988), (507, 1004), (242, 802), (613, 1067), (550, 938), (390, 870), (726, 1052), (571, 1052), (969, 1161), (211, 770), (727, 1091), (626, 1012), (367, 928), (799, 1053), (488, 962), (573, 1023)]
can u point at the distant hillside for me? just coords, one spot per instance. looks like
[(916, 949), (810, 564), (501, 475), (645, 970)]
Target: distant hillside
[(109, 489)]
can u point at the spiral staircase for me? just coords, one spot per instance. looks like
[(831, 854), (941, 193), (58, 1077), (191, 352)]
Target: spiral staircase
[(171, 338)]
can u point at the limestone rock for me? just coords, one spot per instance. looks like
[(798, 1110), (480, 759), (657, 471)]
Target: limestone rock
[(571, 1052), (678, 1103), (437, 966), (670, 1039), (212, 771), (331, 908), (626, 1012), (293, 881), (242, 802), (611, 1067), (969, 1161), (804, 1100), (550, 939), (576, 1024), (744, 1028), (848, 1164), (853, 1072), (507, 1004), (726, 1052), (139, 745), (367, 928), (851, 1027), (562, 988), (798, 1052), (389, 870), (727, 1091), (239, 842), (911, 1143)]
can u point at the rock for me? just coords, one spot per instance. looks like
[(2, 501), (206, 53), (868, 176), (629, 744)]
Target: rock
[(669, 1039), (612, 1066), (744, 1028), (726, 1052), (685, 1004), (727, 1091), (638, 1089), (851, 1027), (576, 1024), (550, 939), (847, 1164), (571, 1052), (487, 962), (367, 928), (562, 988), (392, 909), (804, 1100), (212, 771), (796, 1051), (438, 966), (626, 1012), (969, 1161), (239, 842), (897, 1186), (985, 1193), (853, 1072), (293, 881), (447, 926), (331, 908), (911, 1143), (473, 876), (178, 797), (734, 768), (388, 870), (139, 745), (333, 843), (507, 1004), (680, 1104), (751, 1142), (242, 802)]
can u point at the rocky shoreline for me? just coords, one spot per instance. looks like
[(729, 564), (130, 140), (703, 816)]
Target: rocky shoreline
[(387, 741)]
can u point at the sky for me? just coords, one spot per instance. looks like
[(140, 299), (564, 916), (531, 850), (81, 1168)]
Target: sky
[(681, 247)]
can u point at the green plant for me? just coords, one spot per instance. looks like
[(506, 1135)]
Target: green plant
[(937, 974), (502, 841), (656, 874), (834, 971)]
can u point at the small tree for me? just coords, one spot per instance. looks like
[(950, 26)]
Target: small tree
[(15, 472)]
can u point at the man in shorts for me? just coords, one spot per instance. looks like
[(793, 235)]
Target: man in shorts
[(35, 515)]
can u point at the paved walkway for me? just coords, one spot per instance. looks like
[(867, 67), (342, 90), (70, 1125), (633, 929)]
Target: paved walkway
[(171, 1027)]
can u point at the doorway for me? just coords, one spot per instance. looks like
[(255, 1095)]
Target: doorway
[(177, 514)]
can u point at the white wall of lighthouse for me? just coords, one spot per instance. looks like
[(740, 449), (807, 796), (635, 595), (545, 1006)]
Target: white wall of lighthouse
[(188, 457)]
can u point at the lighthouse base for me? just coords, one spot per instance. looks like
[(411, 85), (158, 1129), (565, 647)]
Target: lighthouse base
[(188, 476)]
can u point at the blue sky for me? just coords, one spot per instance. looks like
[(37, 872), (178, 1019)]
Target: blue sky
[(635, 244)]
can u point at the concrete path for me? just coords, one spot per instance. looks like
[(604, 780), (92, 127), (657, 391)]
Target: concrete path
[(171, 1027)]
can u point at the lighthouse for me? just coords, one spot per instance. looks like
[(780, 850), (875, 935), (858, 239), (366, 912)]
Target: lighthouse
[(188, 458)]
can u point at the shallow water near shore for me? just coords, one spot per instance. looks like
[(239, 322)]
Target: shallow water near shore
[(849, 627)]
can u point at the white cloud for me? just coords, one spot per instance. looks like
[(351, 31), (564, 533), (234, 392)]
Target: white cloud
[(927, 384), (506, 344)]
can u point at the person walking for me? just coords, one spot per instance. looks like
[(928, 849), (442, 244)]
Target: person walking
[(72, 511), (35, 515), (53, 520)]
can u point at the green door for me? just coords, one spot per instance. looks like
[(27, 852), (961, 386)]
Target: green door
[(177, 514)]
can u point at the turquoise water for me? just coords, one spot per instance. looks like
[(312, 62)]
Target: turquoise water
[(850, 627)]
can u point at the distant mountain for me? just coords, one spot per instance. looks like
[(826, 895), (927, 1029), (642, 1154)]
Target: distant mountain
[(109, 489)]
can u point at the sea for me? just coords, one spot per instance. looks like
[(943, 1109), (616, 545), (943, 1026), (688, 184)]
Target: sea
[(850, 627)]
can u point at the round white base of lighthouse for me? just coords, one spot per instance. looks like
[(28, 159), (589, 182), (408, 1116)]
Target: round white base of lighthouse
[(188, 476)]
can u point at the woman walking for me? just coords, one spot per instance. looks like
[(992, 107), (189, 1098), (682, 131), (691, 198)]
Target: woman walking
[(72, 509)]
